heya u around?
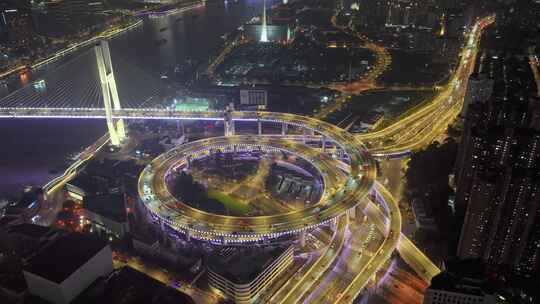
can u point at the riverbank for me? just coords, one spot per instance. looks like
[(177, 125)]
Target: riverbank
[(107, 34), (39, 150), (171, 10), (36, 151)]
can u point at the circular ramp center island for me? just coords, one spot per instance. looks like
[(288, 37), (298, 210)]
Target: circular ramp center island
[(240, 199)]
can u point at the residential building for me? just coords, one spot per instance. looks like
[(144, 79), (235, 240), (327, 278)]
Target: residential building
[(129, 286), (60, 271), (461, 287), (106, 213), (498, 171)]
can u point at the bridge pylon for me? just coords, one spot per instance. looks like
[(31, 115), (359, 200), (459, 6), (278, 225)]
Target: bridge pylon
[(229, 123), (117, 131)]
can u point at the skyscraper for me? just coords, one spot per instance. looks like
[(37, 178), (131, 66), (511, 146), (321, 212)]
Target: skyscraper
[(264, 30), (498, 171)]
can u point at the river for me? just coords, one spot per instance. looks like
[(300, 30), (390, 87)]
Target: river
[(34, 150)]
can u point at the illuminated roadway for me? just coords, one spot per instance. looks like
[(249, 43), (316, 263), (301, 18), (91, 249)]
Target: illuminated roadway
[(360, 180), (409, 133), (350, 144), (323, 263), (336, 199), (424, 125)]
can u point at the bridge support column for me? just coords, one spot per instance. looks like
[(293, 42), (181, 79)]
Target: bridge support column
[(229, 123), (303, 238), (284, 128), (259, 127), (111, 100), (323, 143), (229, 128), (162, 225), (188, 235), (352, 213), (309, 132)]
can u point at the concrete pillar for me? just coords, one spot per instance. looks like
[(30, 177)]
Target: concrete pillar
[(188, 235), (303, 238), (309, 132), (229, 127), (284, 128), (111, 100), (113, 135), (229, 123), (259, 126), (352, 213), (120, 129), (188, 162), (323, 143)]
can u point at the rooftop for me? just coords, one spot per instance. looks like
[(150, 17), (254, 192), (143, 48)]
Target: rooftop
[(11, 276), (230, 262), (6, 221), (111, 206), (57, 261), (89, 184), (30, 230), (129, 286)]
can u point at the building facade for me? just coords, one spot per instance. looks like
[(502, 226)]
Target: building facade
[(257, 98), (248, 290), (62, 270), (498, 172)]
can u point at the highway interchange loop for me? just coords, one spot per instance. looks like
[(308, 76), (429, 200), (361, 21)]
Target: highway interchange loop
[(340, 194)]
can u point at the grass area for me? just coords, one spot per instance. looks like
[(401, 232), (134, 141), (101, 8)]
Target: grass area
[(230, 203)]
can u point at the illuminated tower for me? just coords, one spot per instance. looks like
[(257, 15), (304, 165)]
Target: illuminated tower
[(264, 33), (117, 132), (289, 36), (442, 24)]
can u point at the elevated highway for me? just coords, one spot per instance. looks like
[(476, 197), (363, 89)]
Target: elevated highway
[(410, 133), (339, 194)]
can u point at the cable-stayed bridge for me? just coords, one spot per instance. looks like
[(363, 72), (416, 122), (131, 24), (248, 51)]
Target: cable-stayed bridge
[(94, 93), (70, 87)]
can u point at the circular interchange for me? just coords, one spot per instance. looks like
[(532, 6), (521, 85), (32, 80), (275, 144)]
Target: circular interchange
[(342, 191), (273, 148)]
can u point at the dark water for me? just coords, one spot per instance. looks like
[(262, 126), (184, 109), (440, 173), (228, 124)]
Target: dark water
[(31, 148), (36, 150)]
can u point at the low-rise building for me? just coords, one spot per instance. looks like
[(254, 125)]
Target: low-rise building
[(18, 243), (106, 213), (423, 217), (61, 270), (129, 286), (446, 288), (84, 184), (25, 239), (254, 98), (228, 272), (12, 284)]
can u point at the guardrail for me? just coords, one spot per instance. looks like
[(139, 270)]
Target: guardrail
[(73, 169)]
